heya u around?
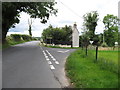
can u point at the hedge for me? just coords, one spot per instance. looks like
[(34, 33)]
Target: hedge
[(20, 37)]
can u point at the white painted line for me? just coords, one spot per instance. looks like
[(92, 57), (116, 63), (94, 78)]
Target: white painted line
[(63, 51), (56, 62), (52, 67), (49, 62), (67, 50), (44, 53), (47, 59), (54, 59), (46, 56)]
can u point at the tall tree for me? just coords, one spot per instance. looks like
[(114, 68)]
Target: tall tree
[(11, 10), (30, 22), (111, 29), (90, 23)]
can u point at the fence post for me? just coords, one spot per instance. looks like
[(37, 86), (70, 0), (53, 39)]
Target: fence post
[(86, 50), (96, 53)]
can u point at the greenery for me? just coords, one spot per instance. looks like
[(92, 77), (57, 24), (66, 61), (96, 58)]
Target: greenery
[(84, 72), (19, 37), (57, 35), (90, 23), (11, 13), (111, 29), (14, 39)]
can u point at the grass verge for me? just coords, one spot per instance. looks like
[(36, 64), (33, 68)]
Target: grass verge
[(10, 43), (49, 46), (85, 73)]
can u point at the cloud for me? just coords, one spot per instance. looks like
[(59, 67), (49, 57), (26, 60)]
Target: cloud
[(70, 11)]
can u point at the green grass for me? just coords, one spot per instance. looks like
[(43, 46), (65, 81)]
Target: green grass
[(85, 73), (49, 46), (110, 56), (10, 43)]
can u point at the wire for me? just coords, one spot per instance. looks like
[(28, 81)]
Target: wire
[(70, 9)]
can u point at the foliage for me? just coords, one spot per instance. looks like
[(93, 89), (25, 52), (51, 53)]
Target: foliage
[(111, 29), (57, 35), (16, 37), (26, 37), (19, 37), (11, 10), (104, 44), (90, 23), (84, 73)]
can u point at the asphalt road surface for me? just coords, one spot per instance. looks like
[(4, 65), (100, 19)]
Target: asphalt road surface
[(29, 65)]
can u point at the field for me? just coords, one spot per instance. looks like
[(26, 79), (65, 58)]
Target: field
[(85, 72)]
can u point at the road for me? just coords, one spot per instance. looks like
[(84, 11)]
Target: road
[(29, 65)]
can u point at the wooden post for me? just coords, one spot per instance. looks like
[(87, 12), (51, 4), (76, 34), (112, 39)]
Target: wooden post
[(86, 50), (96, 53)]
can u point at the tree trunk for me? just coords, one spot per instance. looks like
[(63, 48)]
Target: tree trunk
[(4, 33), (86, 50)]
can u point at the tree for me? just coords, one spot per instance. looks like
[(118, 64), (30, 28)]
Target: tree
[(111, 29), (30, 24), (58, 35), (90, 23), (11, 11)]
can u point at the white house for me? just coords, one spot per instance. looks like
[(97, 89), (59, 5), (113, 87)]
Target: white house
[(75, 36)]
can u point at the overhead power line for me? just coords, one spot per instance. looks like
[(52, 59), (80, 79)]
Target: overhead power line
[(70, 9)]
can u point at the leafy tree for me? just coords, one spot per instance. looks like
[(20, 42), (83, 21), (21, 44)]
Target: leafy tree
[(90, 23), (111, 29), (57, 35), (11, 11)]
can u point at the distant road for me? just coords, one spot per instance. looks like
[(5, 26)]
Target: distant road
[(29, 65)]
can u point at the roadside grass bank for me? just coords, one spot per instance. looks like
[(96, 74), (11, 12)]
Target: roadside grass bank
[(85, 72), (14, 39), (10, 43)]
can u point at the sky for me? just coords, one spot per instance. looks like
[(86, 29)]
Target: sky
[(69, 12)]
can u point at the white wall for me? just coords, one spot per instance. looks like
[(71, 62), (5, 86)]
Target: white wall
[(75, 37)]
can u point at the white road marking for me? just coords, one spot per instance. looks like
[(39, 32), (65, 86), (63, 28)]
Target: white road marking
[(63, 51), (56, 62), (52, 67), (46, 56), (67, 50), (47, 59), (49, 62), (54, 59)]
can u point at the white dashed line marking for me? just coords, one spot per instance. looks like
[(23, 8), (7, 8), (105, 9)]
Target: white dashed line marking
[(54, 59), (56, 62), (49, 62), (47, 59), (52, 67)]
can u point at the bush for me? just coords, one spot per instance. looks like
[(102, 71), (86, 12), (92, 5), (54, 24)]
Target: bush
[(16, 37), (21, 37), (104, 44), (26, 37)]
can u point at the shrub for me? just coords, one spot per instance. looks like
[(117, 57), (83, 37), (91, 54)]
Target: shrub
[(21, 37), (16, 37), (26, 37), (104, 44)]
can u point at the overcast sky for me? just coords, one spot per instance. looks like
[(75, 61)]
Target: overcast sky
[(69, 11)]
